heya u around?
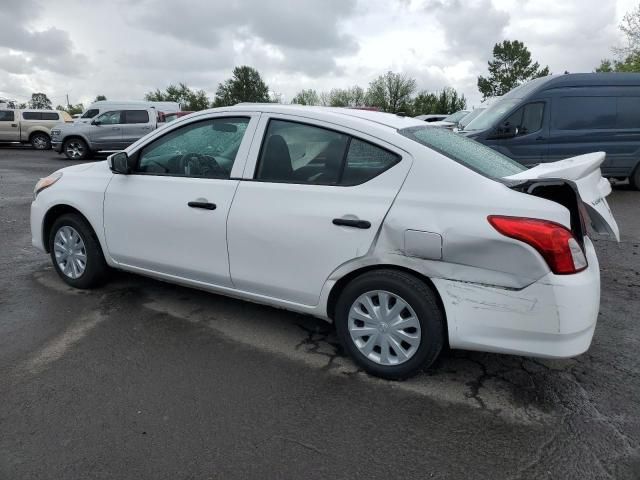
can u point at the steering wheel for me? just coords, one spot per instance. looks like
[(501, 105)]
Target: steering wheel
[(193, 163)]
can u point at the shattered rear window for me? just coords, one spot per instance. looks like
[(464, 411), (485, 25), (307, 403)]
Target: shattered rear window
[(469, 153)]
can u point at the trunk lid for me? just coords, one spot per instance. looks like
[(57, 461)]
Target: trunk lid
[(584, 173)]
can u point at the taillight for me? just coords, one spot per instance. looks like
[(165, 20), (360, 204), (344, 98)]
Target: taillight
[(554, 242)]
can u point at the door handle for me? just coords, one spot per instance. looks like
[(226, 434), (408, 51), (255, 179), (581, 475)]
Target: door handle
[(347, 222), (205, 205), (14, 124)]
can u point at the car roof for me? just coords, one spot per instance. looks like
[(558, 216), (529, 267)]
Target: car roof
[(330, 114)]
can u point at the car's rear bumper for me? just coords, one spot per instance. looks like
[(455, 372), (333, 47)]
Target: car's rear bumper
[(554, 317)]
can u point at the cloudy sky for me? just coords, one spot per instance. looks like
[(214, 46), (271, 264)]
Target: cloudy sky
[(124, 48)]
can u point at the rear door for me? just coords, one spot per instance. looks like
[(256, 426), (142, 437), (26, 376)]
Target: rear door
[(106, 134), (137, 123), (313, 197), (9, 127)]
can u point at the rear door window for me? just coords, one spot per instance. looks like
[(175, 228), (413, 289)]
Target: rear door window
[(584, 113), (136, 116), (300, 153), (6, 116)]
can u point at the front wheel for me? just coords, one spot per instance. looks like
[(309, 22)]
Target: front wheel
[(40, 141), (75, 149), (634, 179), (390, 323), (76, 253)]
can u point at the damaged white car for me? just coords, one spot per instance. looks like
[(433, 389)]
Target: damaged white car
[(407, 237)]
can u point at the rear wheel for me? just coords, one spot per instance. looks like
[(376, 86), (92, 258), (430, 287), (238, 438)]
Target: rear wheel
[(634, 178), (76, 253), (40, 141), (390, 323), (75, 149)]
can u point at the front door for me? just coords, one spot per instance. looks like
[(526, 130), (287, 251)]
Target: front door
[(9, 128), (315, 200), (169, 216), (528, 142), (106, 133)]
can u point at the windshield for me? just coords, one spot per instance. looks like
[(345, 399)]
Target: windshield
[(469, 153), (492, 114), (456, 117), (465, 121)]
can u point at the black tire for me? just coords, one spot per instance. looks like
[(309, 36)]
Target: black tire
[(96, 269), (40, 141), (634, 178), (422, 300), (72, 145)]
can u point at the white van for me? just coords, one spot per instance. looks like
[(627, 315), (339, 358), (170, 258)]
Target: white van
[(102, 106)]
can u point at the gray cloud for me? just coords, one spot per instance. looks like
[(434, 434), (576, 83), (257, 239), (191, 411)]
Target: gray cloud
[(471, 28), (306, 34), (49, 49)]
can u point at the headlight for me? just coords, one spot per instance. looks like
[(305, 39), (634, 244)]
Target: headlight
[(55, 131), (46, 182)]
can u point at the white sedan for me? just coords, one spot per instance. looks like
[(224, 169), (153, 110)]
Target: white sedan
[(406, 236)]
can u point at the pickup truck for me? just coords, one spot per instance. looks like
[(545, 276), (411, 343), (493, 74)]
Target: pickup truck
[(30, 126), (110, 131)]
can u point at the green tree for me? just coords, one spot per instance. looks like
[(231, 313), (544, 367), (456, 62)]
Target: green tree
[(306, 97), (391, 92), (190, 100), (245, 85), (40, 101), (628, 56), (72, 109), (100, 98), (511, 66), (446, 101)]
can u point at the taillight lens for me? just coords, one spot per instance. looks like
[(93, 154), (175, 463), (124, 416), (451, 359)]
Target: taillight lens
[(553, 241)]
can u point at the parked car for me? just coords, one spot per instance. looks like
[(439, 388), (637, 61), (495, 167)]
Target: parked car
[(430, 118), (170, 117), (408, 237), (30, 126), (110, 131), (452, 120), (560, 116), (101, 106)]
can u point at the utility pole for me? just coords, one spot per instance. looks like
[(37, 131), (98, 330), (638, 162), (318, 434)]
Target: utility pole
[(68, 104)]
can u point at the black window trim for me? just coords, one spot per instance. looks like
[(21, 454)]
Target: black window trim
[(349, 136), (138, 153)]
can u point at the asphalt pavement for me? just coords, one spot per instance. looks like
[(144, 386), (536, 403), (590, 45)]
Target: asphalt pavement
[(142, 379)]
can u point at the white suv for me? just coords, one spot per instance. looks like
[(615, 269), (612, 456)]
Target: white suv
[(405, 236)]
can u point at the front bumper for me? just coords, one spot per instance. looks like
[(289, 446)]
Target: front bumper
[(554, 317), (56, 146)]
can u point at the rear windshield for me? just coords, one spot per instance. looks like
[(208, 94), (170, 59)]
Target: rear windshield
[(469, 153)]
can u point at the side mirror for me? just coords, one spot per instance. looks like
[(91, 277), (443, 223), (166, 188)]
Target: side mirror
[(505, 130), (120, 163)]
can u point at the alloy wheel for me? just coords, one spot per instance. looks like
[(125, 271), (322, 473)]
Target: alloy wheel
[(74, 149)]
